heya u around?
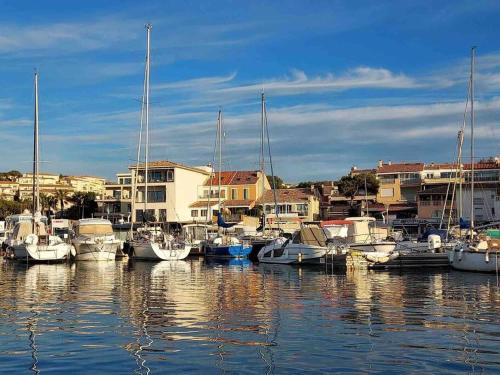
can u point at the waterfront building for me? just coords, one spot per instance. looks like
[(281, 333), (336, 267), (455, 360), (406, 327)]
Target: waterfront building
[(239, 191), (172, 188)]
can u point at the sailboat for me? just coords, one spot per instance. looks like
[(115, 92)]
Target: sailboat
[(151, 243), (31, 241), (479, 254), (224, 246)]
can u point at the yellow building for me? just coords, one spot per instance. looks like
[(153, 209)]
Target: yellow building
[(399, 182), (8, 190), (49, 183), (239, 190), (86, 184)]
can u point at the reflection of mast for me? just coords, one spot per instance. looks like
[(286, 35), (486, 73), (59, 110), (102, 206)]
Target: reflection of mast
[(139, 360), (34, 349)]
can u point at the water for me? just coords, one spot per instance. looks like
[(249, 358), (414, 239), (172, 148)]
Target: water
[(155, 318)]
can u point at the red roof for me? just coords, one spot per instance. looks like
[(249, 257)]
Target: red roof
[(297, 195), (234, 178), (401, 167)]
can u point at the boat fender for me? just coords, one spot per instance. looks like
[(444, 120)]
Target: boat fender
[(460, 254), (487, 257), (73, 251), (300, 257)]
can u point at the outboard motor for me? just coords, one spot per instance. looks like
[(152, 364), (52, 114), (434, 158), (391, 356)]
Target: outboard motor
[(433, 242)]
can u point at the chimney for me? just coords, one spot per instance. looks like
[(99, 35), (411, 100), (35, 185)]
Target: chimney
[(389, 162), (380, 163)]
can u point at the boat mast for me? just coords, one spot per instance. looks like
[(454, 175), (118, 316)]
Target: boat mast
[(262, 161), (36, 186), (366, 198), (219, 134), (135, 172), (473, 56), (146, 96)]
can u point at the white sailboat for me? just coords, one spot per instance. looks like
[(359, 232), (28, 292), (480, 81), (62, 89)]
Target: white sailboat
[(478, 254), (150, 243), (30, 239)]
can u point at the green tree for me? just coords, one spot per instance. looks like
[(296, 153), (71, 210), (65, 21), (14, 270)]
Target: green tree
[(84, 205), (277, 181), (349, 186), (62, 196)]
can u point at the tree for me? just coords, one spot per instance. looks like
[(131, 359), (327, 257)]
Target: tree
[(277, 181), (62, 196), (84, 205), (349, 186)]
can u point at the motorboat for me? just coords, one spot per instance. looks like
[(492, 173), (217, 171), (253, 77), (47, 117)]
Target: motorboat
[(224, 246), (94, 240), (363, 236), (307, 245)]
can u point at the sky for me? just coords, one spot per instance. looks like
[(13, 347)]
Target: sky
[(346, 82)]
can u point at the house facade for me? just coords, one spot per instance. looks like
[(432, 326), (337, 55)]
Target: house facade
[(172, 188), (239, 191)]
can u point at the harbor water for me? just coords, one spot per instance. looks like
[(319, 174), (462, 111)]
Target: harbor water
[(198, 317)]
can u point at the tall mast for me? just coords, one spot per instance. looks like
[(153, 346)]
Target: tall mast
[(146, 96), (220, 156), (262, 137), (472, 57), (135, 171), (36, 183)]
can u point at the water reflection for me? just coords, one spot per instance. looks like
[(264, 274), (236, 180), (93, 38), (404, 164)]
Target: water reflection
[(196, 316)]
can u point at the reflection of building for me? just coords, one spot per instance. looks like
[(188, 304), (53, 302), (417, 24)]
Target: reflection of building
[(239, 192)]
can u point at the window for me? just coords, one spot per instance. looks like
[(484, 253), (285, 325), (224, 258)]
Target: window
[(204, 213), (302, 209), (245, 193), (155, 196), (234, 194), (127, 181), (170, 175), (387, 192), (194, 213)]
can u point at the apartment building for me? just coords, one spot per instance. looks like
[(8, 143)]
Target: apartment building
[(300, 203), (172, 188), (8, 190)]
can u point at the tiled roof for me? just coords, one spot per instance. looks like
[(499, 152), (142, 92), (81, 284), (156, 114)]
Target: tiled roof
[(167, 164), (298, 195), (401, 167), (234, 178)]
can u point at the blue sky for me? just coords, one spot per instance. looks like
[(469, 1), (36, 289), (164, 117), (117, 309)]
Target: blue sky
[(347, 82)]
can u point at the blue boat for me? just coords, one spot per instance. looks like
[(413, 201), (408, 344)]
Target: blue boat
[(227, 251)]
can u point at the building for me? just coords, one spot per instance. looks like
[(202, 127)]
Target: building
[(8, 190), (239, 191), (399, 183), (86, 184), (49, 183), (172, 188), (301, 203)]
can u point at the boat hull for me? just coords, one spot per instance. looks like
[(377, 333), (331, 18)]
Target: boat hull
[(96, 251), (227, 251), (42, 253), (379, 247), (292, 254), (153, 251), (475, 261)]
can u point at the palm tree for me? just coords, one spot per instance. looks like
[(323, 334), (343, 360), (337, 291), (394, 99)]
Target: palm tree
[(62, 196)]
